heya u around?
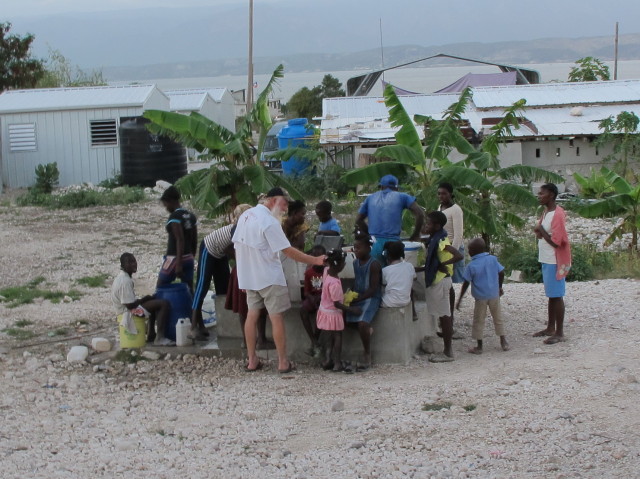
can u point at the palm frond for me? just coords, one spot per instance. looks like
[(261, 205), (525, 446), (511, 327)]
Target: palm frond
[(407, 134), (529, 174), (461, 176), (513, 194), (401, 154)]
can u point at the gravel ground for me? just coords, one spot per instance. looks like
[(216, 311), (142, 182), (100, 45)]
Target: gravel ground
[(557, 411)]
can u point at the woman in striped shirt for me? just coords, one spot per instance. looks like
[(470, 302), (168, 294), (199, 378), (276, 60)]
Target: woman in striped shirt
[(213, 263)]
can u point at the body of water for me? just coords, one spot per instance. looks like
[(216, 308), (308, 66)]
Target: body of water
[(420, 80)]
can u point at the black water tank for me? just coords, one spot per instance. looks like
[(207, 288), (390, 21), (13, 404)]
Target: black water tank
[(146, 158)]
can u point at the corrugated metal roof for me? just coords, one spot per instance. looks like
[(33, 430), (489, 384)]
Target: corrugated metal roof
[(215, 93), (186, 101), (549, 94), (554, 110), (13, 101)]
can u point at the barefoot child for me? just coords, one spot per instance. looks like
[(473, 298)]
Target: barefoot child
[(330, 313), (485, 274), (368, 275), (438, 269), (312, 293)]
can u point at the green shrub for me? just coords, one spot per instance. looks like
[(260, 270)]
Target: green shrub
[(47, 177), (112, 183), (322, 184)]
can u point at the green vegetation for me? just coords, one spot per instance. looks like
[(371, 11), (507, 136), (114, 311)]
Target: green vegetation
[(18, 68), (589, 69), (622, 131), (129, 356), (19, 333), (112, 183), (22, 323), (60, 73), (238, 176), (307, 103), (15, 296), (47, 177), (594, 186), (469, 407), (123, 195), (97, 281), (436, 406), (57, 332)]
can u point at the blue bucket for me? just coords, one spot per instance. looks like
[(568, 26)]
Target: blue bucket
[(179, 297)]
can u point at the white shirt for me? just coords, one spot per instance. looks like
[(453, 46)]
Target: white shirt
[(122, 292), (399, 280), (455, 224), (258, 239), (546, 252)]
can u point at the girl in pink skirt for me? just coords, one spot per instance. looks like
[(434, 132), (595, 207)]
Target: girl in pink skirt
[(330, 313)]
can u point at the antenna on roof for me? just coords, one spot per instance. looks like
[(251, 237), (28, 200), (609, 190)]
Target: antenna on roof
[(381, 49), (615, 55)]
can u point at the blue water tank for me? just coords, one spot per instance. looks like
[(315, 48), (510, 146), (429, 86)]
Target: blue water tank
[(179, 297), (295, 134)]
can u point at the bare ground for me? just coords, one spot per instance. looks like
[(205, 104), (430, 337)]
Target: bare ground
[(568, 410)]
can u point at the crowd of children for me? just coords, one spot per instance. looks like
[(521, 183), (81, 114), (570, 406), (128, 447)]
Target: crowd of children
[(325, 308)]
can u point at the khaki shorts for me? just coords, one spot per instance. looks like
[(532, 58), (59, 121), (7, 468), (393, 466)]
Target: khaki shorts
[(437, 297), (275, 298)]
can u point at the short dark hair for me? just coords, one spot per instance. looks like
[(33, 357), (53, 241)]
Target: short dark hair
[(395, 249), (324, 205), (124, 257), (318, 250), (295, 206), (437, 217), (335, 257), (170, 194), (363, 238), (446, 186), (550, 187)]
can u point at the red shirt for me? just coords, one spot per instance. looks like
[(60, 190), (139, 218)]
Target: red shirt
[(312, 281)]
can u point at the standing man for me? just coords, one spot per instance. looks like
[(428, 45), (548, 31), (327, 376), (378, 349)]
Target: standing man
[(384, 212), (258, 239)]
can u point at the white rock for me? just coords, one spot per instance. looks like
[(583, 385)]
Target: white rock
[(77, 354), (152, 355), (101, 344)]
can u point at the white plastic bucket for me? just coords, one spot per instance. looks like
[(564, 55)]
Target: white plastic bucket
[(411, 249)]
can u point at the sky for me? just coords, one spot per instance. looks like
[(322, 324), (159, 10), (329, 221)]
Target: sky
[(123, 32)]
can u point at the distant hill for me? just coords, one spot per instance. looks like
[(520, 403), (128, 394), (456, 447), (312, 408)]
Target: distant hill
[(547, 50)]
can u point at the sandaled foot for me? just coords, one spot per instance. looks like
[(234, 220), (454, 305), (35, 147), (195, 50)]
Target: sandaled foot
[(362, 367), (290, 368), (554, 340), (338, 368), (252, 370), (440, 358), (544, 332), (164, 342), (505, 346), (475, 350), (328, 365)]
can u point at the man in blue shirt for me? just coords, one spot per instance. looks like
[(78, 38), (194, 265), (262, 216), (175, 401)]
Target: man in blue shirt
[(486, 275), (383, 210)]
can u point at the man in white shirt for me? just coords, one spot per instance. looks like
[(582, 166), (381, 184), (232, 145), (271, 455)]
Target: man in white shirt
[(258, 239)]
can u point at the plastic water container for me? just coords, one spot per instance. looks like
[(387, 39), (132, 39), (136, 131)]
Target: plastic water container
[(180, 299), (132, 341), (347, 272), (182, 332), (411, 249), (295, 134), (209, 310)]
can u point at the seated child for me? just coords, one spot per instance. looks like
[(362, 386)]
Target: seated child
[(124, 299), (398, 276), (332, 308), (438, 270), (328, 225), (486, 275), (311, 301), (367, 272)]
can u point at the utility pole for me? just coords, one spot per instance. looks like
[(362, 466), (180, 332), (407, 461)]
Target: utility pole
[(615, 56), (249, 96)]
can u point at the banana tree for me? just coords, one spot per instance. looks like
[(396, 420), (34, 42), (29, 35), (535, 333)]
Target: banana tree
[(624, 203), (237, 176), (485, 191)]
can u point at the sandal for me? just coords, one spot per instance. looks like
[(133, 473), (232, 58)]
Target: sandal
[(257, 368), (292, 367)]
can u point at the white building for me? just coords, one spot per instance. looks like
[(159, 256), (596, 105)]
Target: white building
[(216, 104), (562, 121), (75, 127)]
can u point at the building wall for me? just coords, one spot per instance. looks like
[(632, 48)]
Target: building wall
[(63, 137), (564, 157)]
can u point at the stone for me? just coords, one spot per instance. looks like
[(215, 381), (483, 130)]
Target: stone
[(337, 406), (101, 345), (77, 354), (151, 355)]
